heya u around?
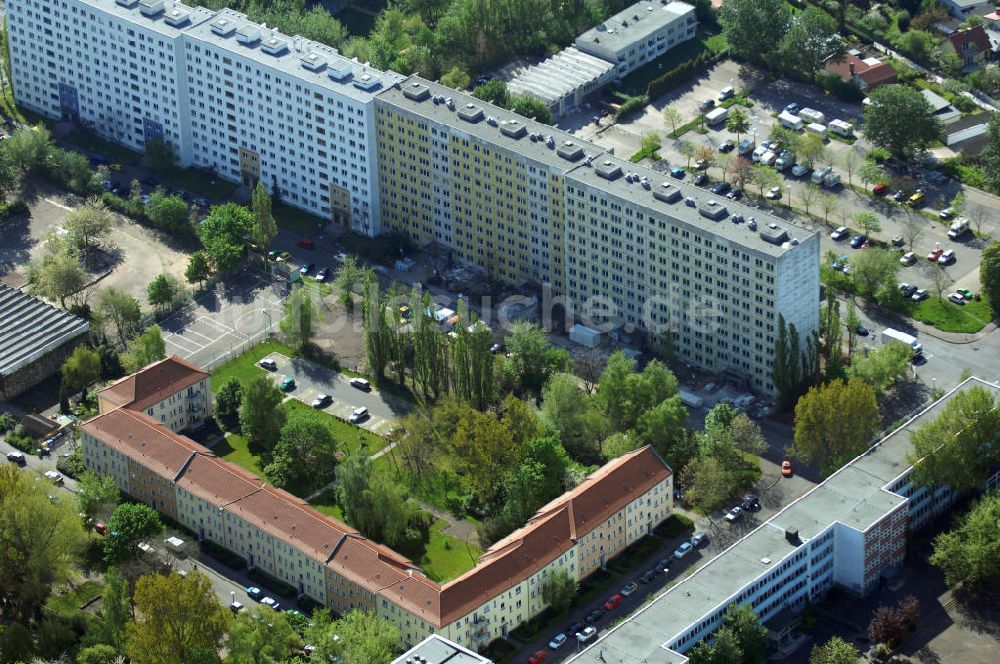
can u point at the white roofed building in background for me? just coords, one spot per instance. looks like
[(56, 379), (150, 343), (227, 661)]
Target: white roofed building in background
[(563, 81), (439, 650)]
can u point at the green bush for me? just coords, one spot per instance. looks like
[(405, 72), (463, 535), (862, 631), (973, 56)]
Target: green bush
[(631, 105), (678, 75), (674, 526), (19, 439), (7, 422), (72, 465), (839, 88), (10, 210)]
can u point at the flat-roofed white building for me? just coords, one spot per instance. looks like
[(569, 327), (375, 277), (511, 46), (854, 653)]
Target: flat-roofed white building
[(563, 81)]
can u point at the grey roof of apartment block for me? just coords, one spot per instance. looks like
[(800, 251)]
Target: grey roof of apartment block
[(634, 23)]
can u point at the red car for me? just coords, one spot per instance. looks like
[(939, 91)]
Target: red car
[(100, 528), (538, 657), (934, 255), (306, 244), (880, 189), (613, 602), (786, 468)]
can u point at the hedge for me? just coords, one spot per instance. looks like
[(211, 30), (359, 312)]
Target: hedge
[(682, 73)]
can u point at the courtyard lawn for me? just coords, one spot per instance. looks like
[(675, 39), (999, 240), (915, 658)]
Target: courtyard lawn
[(950, 317), (446, 557), (245, 366), (234, 449), (353, 439), (67, 604), (300, 221)]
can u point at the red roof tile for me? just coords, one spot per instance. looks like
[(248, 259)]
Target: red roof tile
[(153, 384), (872, 75), (975, 36), (145, 440)]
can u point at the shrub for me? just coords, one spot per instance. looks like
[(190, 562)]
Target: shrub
[(9, 211), (7, 422), (630, 105), (839, 88), (71, 465), (20, 439)]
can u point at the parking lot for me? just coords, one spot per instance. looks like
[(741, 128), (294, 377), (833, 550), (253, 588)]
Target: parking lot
[(224, 319), (312, 379)]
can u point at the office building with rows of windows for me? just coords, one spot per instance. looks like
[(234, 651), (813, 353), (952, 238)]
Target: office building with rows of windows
[(849, 531), (532, 204), (231, 96)]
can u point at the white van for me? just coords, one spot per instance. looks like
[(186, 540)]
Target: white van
[(361, 384), (816, 128), (726, 92)]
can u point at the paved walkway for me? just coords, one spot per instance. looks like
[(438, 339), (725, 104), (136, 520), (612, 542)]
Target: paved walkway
[(457, 528)]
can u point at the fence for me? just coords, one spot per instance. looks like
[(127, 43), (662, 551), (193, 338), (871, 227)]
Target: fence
[(242, 348)]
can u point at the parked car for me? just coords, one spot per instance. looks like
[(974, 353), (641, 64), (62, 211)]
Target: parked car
[(707, 104), (798, 170), (857, 241), (678, 172), (956, 298), (255, 593), (734, 515), (728, 146), (721, 188), (646, 577), (786, 468), (947, 213), (361, 384), (897, 241), (699, 539), (594, 616), (792, 108), (359, 414), (586, 634), (662, 566), (773, 193), (306, 269), (538, 657), (574, 628), (839, 233), (557, 641), (323, 273), (880, 189), (287, 384), (613, 602), (919, 294), (54, 476), (916, 199), (909, 258), (684, 549), (701, 164), (750, 502), (966, 293), (734, 195), (268, 364), (321, 400), (861, 330), (271, 602), (907, 289), (934, 255), (101, 528), (496, 348), (628, 589), (947, 258), (700, 179), (16, 457)]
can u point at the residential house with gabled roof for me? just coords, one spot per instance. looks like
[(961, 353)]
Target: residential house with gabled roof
[(173, 391), (866, 73), (971, 47)]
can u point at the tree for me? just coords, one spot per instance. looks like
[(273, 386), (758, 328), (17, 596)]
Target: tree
[(493, 91), (811, 150), (786, 367), (132, 523), (261, 419), (705, 155), (868, 223), (990, 157), (359, 637), (811, 39), (835, 651), (532, 108), (724, 161), (828, 204), (873, 268), (743, 21), (349, 275), (570, 411), (40, 541), (969, 553), (913, 230), (559, 590), (177, 617), (121, 309), (900, 120), (748, 632), (28, 148), (742, 170), (81, 370), (707, 482), (957, 448), (832, 335), (809, 194), (625, 394), (116, 608), (376, 505), (747, 436), (264, 227), (161, 290), (764, 177), (618, 444), (886, 626), (989, 274), (456, 78), (871, 173), (532, 358), (852, 320), (97, 654), (851, 162), (834, 423), (672, 117), (723, 650), (228, 401), (737, 122), (87, 224), (57, 274), (882, 366), (169, 213), (662, 425), (160, 154), (198, 268), (147, 348), (97, 495), (301, 317), (305, 454), (687, 148), (261, 635), (224, 234), (472, 374)]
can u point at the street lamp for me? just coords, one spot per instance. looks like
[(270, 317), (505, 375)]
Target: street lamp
[(270, 323)]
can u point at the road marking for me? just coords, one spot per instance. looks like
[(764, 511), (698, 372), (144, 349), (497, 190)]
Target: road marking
[(212, 321), (58, 205), (183, 345)]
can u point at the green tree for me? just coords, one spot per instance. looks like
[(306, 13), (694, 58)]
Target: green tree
[(882, 366), (835, 651), (493, 91), (87, 224), (57, 274), (707, 482), (169, 213), (743, 21), (786, 367), (131, 523), (306, 452), (532, 108), (161, 290), (746, 435), (40, 541), (832, 337), (873, 268), (618, 444), (662, 425), (456, 78), (261, 635), (377, 506), (97, 495), (198, 268), (957, 448), (532, 358), (178, 617), (687, 149), (160, 154), (672, 117), (724, 649), (264, 228), (989, 274), (834, 422), (625, 394), (570, 411), (116, 608), (145, 349), (472, 375), (97, 654), (764, 177), (852, 321), (748, 632), (649, 143), (81, 370), (811, 149), (559, 590), (868, 223), (121, 309), (225, 233), (738, 122), (228, 401), (28, 148), (301, 317), (990, 157), (810, 40), (261, 418), (349, 275), (359, 637), (969, 553), (871, 174), (900, 120)]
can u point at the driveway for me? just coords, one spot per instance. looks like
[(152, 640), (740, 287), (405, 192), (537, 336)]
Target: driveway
[(312, 379)]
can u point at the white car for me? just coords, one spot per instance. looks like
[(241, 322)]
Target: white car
[(947, 258), (358, 415), (587, 634), (773, 193), (733, 515), (956, 298), (271, 602), (919, 294), (909, 258), (558, 641), (839, 233), (54, 476), (629, 588), (321, 400)]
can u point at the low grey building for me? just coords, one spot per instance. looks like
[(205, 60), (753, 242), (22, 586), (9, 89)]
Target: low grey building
[(563, 81), (35, 339), (439, 650), (639, 34)]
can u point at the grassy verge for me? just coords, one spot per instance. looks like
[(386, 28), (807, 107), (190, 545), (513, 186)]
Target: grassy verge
[(643, 153), (950, 317), (674, 526), (707, 39), (635, 554), (245, 367), (693, 125), (234, 450), (113, 151), (198, 181), (300, 221), (353, 439), (447, 557), (68, 604)]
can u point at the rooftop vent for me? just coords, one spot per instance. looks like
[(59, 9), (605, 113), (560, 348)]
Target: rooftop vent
[(551, 142), (667, 193), (223, 27), (774, 234), (766, 561), (127, 3), (471, 113), (513, 129), (177, 17), (713, 210), (569, 151), (491, 121), (274, 46), (339, 71), (313, 62), (792, 535), (417, 92), (608, 170), (248, 35), (151, 8), (644, 181), (366, 82)]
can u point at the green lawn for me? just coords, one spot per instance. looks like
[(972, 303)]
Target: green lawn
[(199, 181), (245, 367), (354, 439), (300, 221), (326, 504), (113, 151), (447, 557), (68, 604), (705, 40), (949, 317), (234, 449)]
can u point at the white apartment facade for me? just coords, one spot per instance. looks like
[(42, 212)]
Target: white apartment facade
[(232, 96)]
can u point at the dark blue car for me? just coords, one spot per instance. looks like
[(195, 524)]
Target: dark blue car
[(857, 241), (677, 172)]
